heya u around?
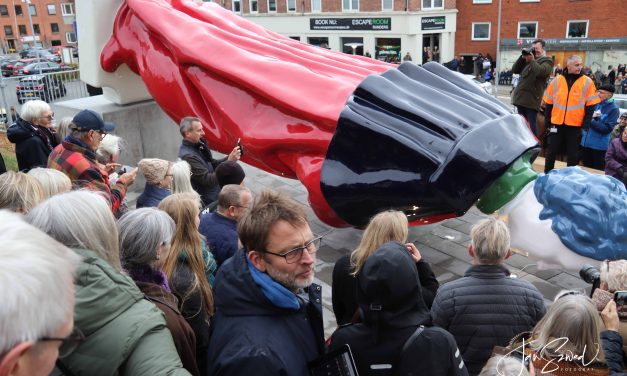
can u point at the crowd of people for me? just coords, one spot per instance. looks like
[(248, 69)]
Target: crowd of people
[(204, 278)]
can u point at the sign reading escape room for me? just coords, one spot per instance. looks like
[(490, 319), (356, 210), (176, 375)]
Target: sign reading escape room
[(350, 23), (433, 23)]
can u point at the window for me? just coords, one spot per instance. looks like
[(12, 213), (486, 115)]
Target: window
[(529, 1), (295, 38), (528, 29), (70, 37), (67, 9), (18, 10), (316, 6), (8, 30), (387, 4), (22, 29), (252, 6), (271, 5), (237, 6), (481, 31), (36, 28), (432, 4), (4, 11), (482, 1), (32, 9), (291, 5), (54, 28), (350, 5), (577, 29), (52, 10)]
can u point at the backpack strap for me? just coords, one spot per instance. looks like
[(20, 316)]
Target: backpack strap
[(411, 339)]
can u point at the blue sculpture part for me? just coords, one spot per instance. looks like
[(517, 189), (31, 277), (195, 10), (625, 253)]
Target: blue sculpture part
[(588, 211), (423, 140)]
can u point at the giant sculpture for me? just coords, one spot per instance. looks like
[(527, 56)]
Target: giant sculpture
[(361, 135)]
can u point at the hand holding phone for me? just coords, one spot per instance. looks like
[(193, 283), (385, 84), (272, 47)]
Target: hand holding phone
[(241, 148)]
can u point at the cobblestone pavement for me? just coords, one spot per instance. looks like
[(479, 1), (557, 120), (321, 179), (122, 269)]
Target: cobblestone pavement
[(444, 245)]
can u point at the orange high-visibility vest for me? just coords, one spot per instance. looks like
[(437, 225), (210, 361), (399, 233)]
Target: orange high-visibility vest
[(569, 107)]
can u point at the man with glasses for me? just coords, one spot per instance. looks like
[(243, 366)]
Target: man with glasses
[(220, 227), (268, 317), (37, 291), (76, 157)]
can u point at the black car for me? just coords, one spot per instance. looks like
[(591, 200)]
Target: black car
[(45, 88), (33, 52), (38, 68), (7, 67)]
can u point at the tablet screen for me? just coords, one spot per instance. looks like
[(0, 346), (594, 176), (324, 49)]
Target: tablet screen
[(338, 362)]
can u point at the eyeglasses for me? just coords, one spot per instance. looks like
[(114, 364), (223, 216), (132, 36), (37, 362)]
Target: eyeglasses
[(295, 254), (49, 117), (69, 343), (102, 134)]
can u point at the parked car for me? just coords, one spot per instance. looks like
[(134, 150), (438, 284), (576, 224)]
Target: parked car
[(485, 85), (44, 87), (621, 102), (32, 52), (37, 68), (57, 50), (51, 57), (20, 64), (7, 67)]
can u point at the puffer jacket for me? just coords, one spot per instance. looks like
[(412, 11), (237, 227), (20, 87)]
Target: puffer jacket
[(392, 308), (262, 332), (125, 333), (486, 308), (616, 159), (33, 144), (597, 137)]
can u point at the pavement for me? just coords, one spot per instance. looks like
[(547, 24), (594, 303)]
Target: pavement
[(444, 245)]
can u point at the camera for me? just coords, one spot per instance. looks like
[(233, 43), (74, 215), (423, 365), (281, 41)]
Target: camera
[(529, 51), (591, 275)]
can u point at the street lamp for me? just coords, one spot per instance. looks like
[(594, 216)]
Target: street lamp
[(30, 20), (498, 52)]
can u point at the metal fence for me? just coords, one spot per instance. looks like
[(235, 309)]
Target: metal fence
[(49, 87)]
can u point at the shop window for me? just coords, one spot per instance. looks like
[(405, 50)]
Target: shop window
[(577, 29), (67, 9), (322, 42), (237, 6), (350, 5), (353, 46), (253, 6), (22, 29), (291, 5), (8, 30), (271, 5), (18, 10), (387, 4), (316, 6), (70, 37), (432, 4), (388, 50), (52, 9), (32, 9), (481, 31), (4, 11), (54, 28), (528, 29)]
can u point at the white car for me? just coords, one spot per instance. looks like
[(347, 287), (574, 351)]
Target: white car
[(486, 86), (621, 101)]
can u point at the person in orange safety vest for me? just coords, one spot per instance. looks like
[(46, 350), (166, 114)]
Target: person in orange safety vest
[(570, 101)]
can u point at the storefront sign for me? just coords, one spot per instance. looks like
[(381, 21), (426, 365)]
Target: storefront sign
[(433, 23), (350, 23), (567, 41)]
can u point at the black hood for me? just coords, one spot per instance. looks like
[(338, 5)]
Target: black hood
[(389, 291), (20, 131)]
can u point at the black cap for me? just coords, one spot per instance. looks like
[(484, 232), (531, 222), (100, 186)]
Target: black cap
[(88, 120), (607, 87), (229, 172)]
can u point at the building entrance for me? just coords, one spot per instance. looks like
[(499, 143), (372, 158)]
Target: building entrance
[(430, 48)]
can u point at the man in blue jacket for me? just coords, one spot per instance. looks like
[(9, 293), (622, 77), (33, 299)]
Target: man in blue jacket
[(268, 317), (220, 227), (596, 139)]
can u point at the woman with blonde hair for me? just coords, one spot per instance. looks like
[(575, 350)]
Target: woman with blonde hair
[(19, 192), (390, 225), (52, 181), (181, 183), (190, 268)]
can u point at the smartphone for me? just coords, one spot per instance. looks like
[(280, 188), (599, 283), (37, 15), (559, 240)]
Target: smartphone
[(620, 297), (125, 169), (241, 149)]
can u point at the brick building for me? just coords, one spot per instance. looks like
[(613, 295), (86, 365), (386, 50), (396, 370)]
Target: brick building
[(53, 21), (385, 29), (596, 30)]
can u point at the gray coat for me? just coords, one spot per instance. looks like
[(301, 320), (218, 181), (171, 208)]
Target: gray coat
[(486, 308), (533, 77)]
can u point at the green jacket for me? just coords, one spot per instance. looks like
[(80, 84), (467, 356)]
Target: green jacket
[(125, 333), (533, 77)]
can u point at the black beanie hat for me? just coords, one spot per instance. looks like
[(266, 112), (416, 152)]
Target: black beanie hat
[(607, 87), (230, 172)]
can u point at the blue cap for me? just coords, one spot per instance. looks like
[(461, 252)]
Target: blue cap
[(88, 120)]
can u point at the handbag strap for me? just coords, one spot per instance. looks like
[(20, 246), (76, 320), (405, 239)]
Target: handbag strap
[(411, 339)]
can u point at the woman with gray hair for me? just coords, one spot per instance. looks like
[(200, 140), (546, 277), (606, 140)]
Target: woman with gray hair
[(52, 181), (33, 135), (125, 333), (145, 236)]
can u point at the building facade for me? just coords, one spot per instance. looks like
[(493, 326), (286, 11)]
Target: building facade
[(383, 29), (595, 30), (52, 21)]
